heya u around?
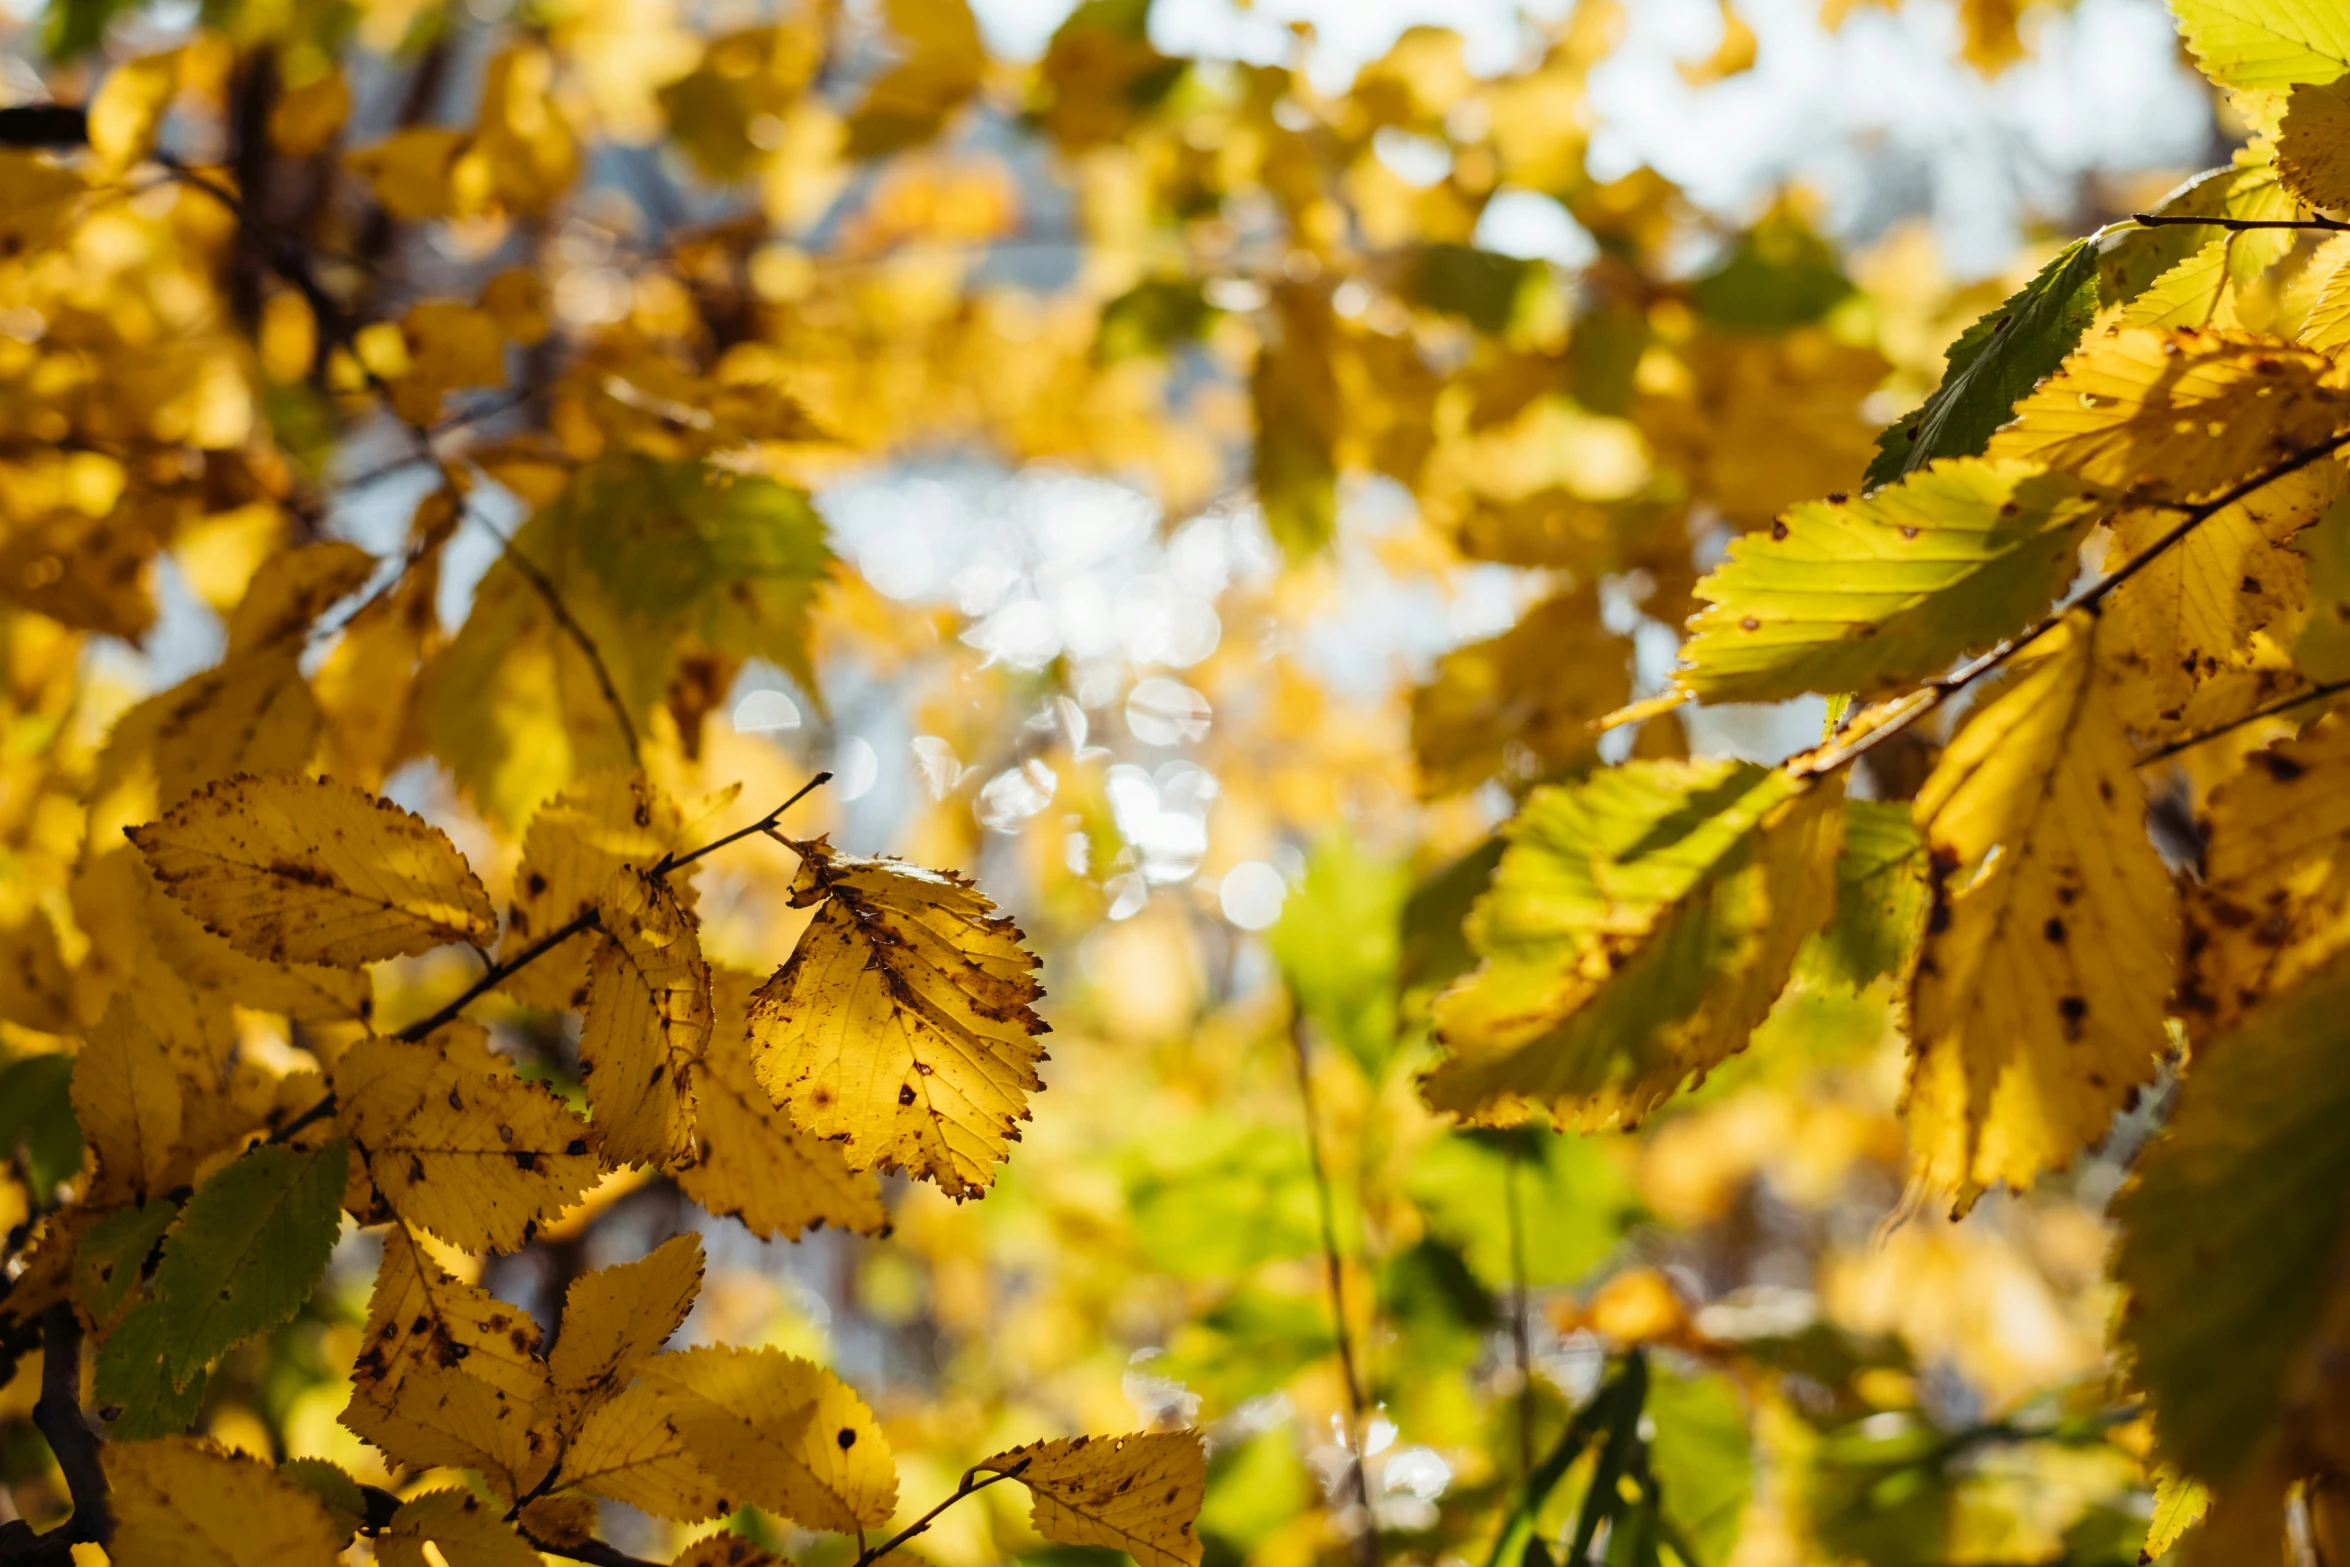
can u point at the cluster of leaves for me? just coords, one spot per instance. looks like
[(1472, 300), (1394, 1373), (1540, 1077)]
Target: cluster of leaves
[(254, 288)]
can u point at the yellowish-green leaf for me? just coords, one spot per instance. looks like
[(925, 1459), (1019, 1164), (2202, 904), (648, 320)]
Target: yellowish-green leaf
[(1137, 1494), (1880, 900), (2179, 1505), (2196, 293), (462, 1530), (904, 1026), (302, 870), (780, 1433), (182, 1502), (2037, 1009), (2266, 43), (1639, 926), (2177, 414), (646, 1023), (1863, 595), (1491, 698), (2313, 144), (2327, 325), (479, 1158), (1295, 396)]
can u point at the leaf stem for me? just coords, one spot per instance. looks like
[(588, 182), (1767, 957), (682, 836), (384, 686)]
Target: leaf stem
[(1918, 703), (1367, 1538), (670, 862)]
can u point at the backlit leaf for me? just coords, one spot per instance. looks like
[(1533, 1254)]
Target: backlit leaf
[(300, 870), (1496, 697), (615, 1318), (2266, 43), (1639, 926), (1137, 1494), (779, 1433), (2052, 940), (479, 1158), (1865, 595), (631, 1450), (646, 1023), (574, 844), (462, 1530), (904, 1026)]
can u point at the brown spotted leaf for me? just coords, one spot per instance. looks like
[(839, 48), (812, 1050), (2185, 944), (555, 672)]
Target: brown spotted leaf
[(1137, 1494)]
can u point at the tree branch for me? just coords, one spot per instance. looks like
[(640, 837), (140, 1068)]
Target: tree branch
[(595, 1552), (1907, 710), (921, 1525), (1367, 1538), (58, 1414), (670, 862), (2316, 222), (2314, 693)]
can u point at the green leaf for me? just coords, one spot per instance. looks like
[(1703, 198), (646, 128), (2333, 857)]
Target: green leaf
[(1254, 1489), (1866, 595), (1574, 1197), (133, 1384), (1993, 364), (1481, 287), (36, 1120), (1641, 924), (1338, 944), (1151, 318), (2232, 1230), (335, 1490), (1880, 900), (2266, 43), (247, 1251), (1703, 1456), (1779, 276), (1435, 949), (112, 1255), (1214, 1196)]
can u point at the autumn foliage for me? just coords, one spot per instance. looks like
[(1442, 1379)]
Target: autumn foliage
[(482, 1079)]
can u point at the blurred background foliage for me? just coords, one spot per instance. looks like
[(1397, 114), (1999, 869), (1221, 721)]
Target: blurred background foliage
[(1257, 441)]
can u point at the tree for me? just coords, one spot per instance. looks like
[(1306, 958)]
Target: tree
[(406, 1014)]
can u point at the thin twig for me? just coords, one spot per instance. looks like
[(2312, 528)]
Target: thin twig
[(921, 1525), (586, 644), (1367, 1538), (594, 1552), (498, 973), (670, 862), (2282, 705), (2178, 220), (1521, 1334), (1918, 703)]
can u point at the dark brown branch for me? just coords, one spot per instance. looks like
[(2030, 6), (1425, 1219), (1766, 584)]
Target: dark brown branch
[(58, 1415), (2282, 705), (2317, 222), (1935, 692), (595, 1552), (1367, 1537)]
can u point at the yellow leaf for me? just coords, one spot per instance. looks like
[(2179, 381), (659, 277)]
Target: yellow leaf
[(615, 1318), (461, 1529), (127, 1098), (904, 1026), (253, 713), (2193, 609), (2313, 144), (420, 1317), (2052, 944), (2327, 326), (414, 170), (1492, 697), (292, 589), (36, 197), (725, 1550), (576, 841), (450, 345), (309, 993), (1137, 1494), (2275, 899), (305, 118), (479, 1158), (2179, 1505), (630, 1450), (560, 1520), (530, 153), (183, 1502), (750, 1162), (2176, 414), (2195, 293), (445, 1418), (367, 684), (36, 989), (129, 107), (300, 870), (646, 1023), (780, 1433)]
